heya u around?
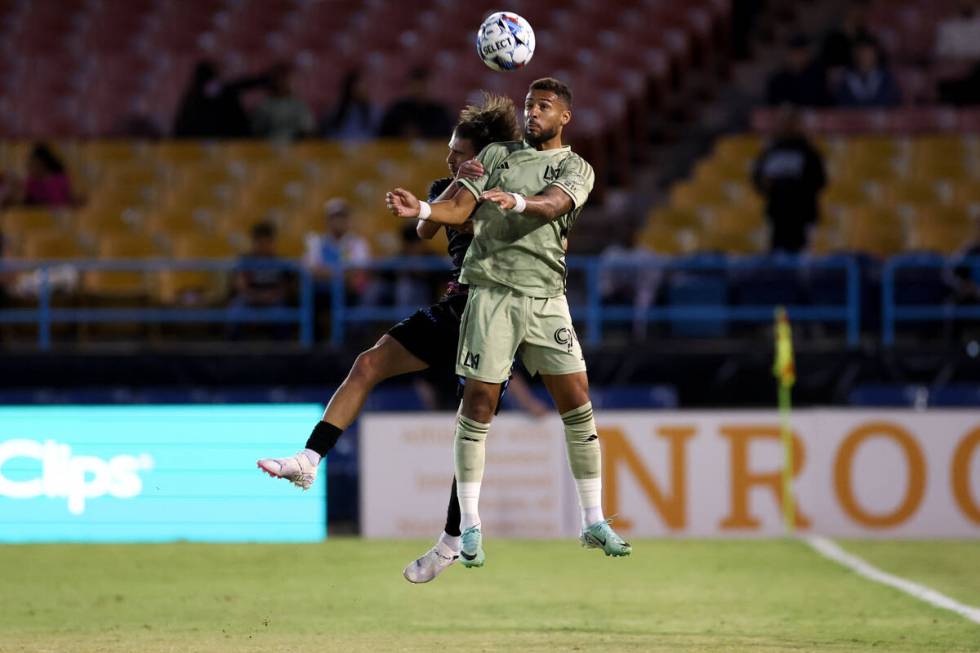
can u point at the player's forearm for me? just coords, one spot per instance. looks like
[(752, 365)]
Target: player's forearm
[(427, 229), (546, 208), (449, 212)]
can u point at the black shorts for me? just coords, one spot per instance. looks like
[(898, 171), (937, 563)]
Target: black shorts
[(431, 334)]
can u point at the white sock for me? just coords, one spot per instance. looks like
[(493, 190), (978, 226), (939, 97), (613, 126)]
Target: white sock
[(590, 499), (469, 501), (448, 544), (312, 456)]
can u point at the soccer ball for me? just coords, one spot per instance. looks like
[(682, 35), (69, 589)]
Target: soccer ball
[(505, 41)]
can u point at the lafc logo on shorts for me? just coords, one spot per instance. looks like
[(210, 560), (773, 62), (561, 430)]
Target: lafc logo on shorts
[(565, 336), (472, 360)]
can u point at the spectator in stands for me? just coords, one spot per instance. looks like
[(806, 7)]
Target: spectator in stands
[(212, 107), (355, 117), (7, 277), (282, 115), (958, 42), (790, 175), (337, 244), (800, 80), (261, 279), (838, 46), (962, 278), (958, 38), (417, 115), (868, 83), (47, 182)]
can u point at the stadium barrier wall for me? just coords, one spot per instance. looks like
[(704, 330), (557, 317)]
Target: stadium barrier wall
[(153, 473), (859, 473)]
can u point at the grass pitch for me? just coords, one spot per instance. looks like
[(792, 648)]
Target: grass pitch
[(348, 595)]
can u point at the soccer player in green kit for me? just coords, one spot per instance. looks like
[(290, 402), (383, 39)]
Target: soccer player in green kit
[(522, 207)]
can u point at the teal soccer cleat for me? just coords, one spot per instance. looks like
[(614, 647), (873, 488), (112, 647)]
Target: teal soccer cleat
[(471, 545), (600, 535)]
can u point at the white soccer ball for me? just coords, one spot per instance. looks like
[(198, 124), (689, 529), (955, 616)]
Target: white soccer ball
[(505, 41)]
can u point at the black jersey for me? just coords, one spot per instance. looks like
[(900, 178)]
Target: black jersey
[(458, 242)]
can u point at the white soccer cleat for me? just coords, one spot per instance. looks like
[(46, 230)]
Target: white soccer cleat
[(296, 469), (434, 562)]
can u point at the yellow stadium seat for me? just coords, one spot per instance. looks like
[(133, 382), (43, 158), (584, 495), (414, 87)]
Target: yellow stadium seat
[(872, 147), (176, 220), (875, 231), (111, 283), (181, 153), (665, 239), (98, 222), (674, 217), (942, 238), (966, 192), (870, 169), (692, 196), (17, 221), (201, 286), (251, 151), (826, 239), (742, 147), (729, 243), (320, 151), (721, 170), (952, 216), (111, 152), (54, 244), (845, 192), (291, 244), (909, 191), (728, 220)]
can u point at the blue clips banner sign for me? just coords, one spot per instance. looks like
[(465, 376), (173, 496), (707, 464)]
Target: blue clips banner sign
[(154, 473)]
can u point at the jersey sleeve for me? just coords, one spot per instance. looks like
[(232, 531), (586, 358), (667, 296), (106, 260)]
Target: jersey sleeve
[(438, 187), (490, 157), (576, 178)]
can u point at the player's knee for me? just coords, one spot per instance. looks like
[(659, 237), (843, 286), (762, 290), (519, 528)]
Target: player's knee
[(368, 368), (479, 404)]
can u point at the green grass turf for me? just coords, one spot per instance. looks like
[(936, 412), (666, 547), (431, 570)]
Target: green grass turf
[(348, 595), (954, 572)]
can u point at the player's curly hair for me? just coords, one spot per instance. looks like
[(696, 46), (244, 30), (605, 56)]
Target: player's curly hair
[(493, 121)]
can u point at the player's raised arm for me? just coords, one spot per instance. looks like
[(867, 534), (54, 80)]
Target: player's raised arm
[(453, 210), (549, 205), (472, 169), (566, 193)]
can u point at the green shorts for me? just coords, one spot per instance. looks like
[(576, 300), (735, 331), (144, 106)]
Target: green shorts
[(499, 323)]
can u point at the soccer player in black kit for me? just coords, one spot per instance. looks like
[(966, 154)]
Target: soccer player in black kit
[(426, 339)]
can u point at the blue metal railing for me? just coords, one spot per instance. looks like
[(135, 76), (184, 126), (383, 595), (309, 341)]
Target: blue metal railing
[(893, 312), (594, 312), (46, 315)]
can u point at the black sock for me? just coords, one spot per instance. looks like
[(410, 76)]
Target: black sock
[(323, 438), (452, 514)]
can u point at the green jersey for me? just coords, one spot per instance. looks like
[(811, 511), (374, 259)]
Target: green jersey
[(524, 252)]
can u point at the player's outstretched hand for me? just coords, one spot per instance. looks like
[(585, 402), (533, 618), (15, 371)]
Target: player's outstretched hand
[(501, 198), (471, 169), (402, 204)]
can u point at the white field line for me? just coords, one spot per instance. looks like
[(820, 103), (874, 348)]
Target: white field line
[(829, 549)]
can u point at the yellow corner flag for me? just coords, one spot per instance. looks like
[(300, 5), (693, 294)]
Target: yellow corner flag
[(784, 369)]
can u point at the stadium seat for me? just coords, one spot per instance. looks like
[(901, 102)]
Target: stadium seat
[(52, 244), (118, 284)]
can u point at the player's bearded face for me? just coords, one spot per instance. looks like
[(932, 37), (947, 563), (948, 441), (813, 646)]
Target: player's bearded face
[(544, 116)]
